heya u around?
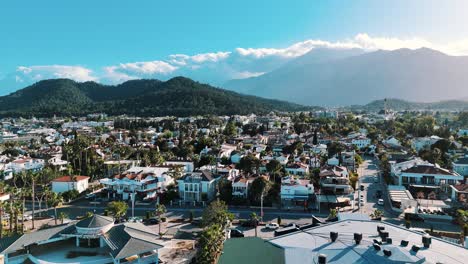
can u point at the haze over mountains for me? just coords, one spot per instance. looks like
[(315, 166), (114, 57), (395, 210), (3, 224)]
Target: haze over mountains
[(346, 77)]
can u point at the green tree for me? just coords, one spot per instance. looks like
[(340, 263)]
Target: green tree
[(249, 164), (118, 209), (260, 186), (216, 213), (225, 190), (230, 129), (210, 244), (274, 168)]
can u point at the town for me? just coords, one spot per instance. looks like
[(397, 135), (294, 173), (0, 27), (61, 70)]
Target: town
[(273, 188)]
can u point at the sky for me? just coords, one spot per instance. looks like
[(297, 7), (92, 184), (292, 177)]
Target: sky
[(210, 40)]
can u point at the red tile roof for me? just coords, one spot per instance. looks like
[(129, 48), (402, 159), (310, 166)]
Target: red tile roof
[(70, 178)]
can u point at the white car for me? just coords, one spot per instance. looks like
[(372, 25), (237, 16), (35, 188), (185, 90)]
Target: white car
[(27, 217), (380, 202), (272, 226)]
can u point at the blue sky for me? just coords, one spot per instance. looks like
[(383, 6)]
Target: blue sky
[(111, 41)]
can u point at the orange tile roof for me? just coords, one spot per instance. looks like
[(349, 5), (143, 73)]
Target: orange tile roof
[(70, 178)]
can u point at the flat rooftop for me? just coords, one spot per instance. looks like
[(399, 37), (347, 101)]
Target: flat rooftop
[(305, 246)]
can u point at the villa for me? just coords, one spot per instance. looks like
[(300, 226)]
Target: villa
[(92, 240)]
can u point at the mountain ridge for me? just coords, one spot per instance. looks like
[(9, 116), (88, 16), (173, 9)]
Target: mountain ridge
[(178, 96), (416, 75)]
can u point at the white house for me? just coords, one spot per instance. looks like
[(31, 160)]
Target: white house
[(297, 168), (428, 175), (295, 191), (68, 183), (241, 185), (197, 186), (424, 142), (145, 182), (361, 142), (24, 164)]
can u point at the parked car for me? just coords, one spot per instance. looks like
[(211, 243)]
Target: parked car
[(272, 226), (237, 233), (90, 196), (380, 202), (152, 221), (414, 217), (27, 217)]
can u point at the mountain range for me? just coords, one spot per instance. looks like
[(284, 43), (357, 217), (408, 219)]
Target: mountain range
[(178, 96), (337, 77)]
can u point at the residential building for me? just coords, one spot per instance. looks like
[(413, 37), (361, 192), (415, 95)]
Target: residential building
[(424, 142), (197, 186), (335, 180), (297, 168), (144, 182), (68, 183), (295, 191), (361, 142), (428, 175)]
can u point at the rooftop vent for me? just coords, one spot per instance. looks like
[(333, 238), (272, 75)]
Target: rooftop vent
[(357, 237), (333, 236), (384, 235), (389, 240), (426, 239), (378, 241), (380, 228), (404, 243), (322, 259), (415, 248), (376, 246), (387, 252)]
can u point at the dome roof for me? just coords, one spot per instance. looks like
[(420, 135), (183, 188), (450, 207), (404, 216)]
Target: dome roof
[(95, 221)]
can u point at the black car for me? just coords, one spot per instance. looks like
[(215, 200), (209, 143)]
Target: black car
[(152, 221), (236, 233)]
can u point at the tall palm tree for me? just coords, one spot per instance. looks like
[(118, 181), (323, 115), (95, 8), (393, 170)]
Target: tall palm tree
[(2, 207), (17, 209), (160, 211), (33, 178), (55, 200), (255, 218)]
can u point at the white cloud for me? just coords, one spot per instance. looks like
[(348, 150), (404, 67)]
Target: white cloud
[(36, 73), (220, 66)]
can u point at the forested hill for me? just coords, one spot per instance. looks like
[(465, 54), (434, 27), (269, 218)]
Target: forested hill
[(178, 96)]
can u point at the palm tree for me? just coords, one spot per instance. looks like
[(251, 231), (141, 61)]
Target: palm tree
[(33, 177), (160, 211), (2, 207), (55, 200), (62, 217), (254, 218), (17, 209)]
